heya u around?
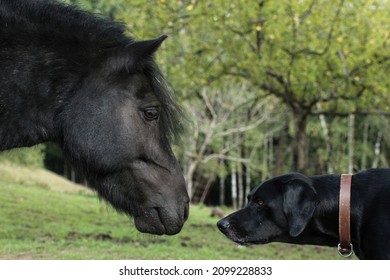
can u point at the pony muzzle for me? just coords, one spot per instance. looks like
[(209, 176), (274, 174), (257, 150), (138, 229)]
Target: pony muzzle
[(159, 220)]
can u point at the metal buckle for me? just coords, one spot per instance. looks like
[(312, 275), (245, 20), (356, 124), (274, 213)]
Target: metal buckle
[(345, 252)]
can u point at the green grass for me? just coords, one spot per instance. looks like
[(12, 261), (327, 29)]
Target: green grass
[(41, 220)]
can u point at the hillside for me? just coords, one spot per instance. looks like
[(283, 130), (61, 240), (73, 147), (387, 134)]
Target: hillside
[(44, 216), (25, 176)]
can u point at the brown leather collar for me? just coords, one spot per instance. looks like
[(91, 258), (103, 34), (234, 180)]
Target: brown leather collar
[(345, 246)]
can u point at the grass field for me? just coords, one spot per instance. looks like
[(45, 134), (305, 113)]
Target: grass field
[(43, 216)]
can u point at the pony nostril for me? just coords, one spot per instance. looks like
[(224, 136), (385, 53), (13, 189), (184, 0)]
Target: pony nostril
[(186, 212), (223, 225)]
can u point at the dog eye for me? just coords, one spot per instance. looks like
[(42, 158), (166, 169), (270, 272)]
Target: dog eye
[(260, 202)]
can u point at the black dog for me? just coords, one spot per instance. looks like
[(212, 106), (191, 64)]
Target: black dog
[(294, 208)]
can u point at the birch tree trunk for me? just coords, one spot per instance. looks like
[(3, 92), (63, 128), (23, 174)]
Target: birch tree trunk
[(189, 176), (280, 151), (222, 190), (240, 180), (365, 144), (328, 144), (265, 159), (248, 180), (377, 150), (351, 133), (300, 142), (234, 185)]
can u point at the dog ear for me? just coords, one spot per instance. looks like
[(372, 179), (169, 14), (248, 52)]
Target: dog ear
[(300, 200)]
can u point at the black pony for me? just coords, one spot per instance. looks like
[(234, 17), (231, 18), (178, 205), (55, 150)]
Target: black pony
[(75, 79)]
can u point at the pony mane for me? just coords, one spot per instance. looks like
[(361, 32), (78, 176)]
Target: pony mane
[(64, 23), (172, 116)]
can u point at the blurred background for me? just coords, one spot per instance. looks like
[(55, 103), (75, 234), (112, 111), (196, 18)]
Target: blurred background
[(268, 87)]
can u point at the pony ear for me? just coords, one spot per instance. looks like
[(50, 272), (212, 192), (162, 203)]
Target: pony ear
[(144, 49), (299, 203), (133, 57)]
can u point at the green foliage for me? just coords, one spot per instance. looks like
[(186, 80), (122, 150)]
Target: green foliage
[(332, 55), (33, 156)]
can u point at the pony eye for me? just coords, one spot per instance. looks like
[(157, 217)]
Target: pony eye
[(151, 113)]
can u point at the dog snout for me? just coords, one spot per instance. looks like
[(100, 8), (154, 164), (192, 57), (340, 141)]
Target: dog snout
[(223, 225)]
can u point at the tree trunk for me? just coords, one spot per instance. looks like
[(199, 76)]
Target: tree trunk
[(209, 183), (365, 145), (72, 174), (234, 186), (190, 177), (66, 170), (351, 132), (280, 151), (222, 179), (328, 143), (299, 147), (248, 180), (377, 150), (265, 172), (222, 190), (240, 180)]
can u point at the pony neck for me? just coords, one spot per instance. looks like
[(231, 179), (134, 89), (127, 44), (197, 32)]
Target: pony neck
[(28, 105), (22, 123)]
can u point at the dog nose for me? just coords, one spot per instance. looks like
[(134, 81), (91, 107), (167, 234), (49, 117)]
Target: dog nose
[(223, 225)]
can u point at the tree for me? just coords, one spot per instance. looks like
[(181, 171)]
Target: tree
[(309, 53), (221, 118)]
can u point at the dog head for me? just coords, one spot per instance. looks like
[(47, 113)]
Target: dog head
[(277, 210)]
